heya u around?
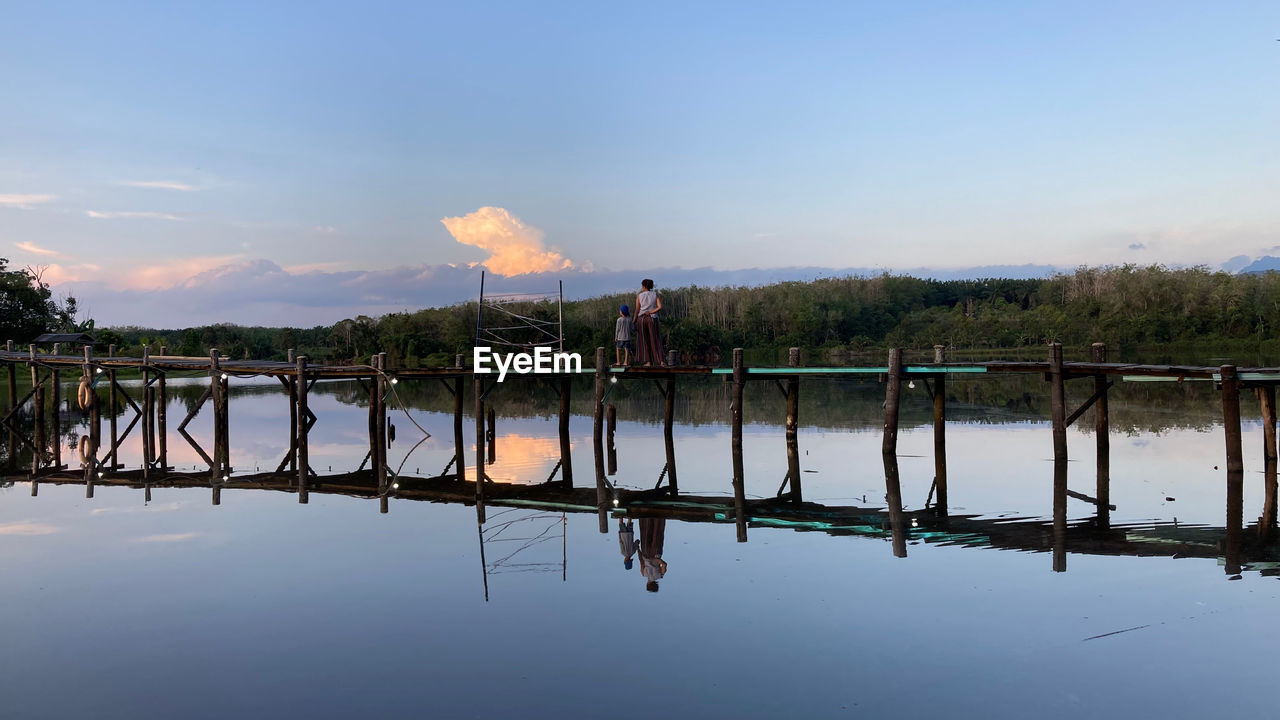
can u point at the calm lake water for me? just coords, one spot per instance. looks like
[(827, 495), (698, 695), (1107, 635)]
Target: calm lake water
[(262, 607)]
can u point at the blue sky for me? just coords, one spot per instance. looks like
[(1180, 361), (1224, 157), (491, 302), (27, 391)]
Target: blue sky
[(147, 148)]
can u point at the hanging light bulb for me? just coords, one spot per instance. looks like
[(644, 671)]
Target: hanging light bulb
[(911, 384), (394, 381), (224, 376)]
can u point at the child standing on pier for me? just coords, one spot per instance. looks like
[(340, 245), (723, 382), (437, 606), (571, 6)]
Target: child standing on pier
[(622, 337)]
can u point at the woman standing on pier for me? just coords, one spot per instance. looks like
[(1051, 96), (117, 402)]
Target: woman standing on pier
[(648, 336)]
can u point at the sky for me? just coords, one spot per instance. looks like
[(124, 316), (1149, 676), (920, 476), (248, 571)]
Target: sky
[(172, 164)]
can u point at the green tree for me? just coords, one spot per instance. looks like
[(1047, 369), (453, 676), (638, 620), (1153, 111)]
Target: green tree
[(27, 305)]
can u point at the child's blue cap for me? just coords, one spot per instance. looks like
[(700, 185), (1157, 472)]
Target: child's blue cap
[(625, 310)]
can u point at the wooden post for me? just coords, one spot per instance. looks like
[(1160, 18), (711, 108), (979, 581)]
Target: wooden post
[(893, 497), (1102, 429), (377, 441), (148, 425), (668, 438), (671, 358), (304, 464), (1235, 466), (479, 412), (739, 481), (219, 407), (1267, 404), (56, 416), (597, 440), (162, 418), (383, 386), (292, 387), (113, 409), (459, 452), (1267, 521), (940, 432), (95, 425), (893, 388), (13, 404), (289, 355), (1058, 402), (491, 434), (37, 406), (793, 426), (611, 427), (566, 455)]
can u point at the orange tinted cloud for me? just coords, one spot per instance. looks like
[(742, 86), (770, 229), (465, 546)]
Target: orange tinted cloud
[(171, 273), (514, 248)]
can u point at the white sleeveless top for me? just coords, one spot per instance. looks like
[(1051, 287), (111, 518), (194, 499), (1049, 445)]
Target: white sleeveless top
[(648, 301)]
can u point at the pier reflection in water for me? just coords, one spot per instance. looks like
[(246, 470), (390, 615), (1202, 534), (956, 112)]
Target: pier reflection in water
[(334, 608)]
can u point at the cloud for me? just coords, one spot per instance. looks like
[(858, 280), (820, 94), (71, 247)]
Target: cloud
[(514, 248), (178, 271), (28, 528), (1137, 246), (170, 538), (24, 201), (161, 185), (113, 215), (57, 274), (37, 250), (325, 230)]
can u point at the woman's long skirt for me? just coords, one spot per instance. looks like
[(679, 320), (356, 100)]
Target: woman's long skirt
[(649, 341)]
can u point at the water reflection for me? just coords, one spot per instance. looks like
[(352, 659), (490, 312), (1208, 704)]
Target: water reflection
[(523, 456), (567, 631)]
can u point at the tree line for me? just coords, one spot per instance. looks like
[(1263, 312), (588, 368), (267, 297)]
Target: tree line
[(1130, 306)]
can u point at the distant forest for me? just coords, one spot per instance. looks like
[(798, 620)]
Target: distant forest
[(1128, 305)]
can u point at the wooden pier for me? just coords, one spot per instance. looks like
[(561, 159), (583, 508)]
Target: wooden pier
[(31, 425)]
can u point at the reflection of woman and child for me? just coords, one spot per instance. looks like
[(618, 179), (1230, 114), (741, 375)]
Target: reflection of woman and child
[(649, 546), (648, 336)]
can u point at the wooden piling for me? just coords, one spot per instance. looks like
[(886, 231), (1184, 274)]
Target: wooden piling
[(793, 427), (611, 426), (384, 386), (1235, 466), (304, 464), (940, 432), (95, 424), (293, 418), (566, 454), (893, 498), (147, 409), (162, 419), (668, 437), (459, 450), (478, 384), (671, 358), (219, 397), (739, 479), (1267, 404), (892, 392), (597, 440), (37, 406), (1102, 429), (56, 415), (113, 409), (13, 405), (1058, 401), (378, 423)]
